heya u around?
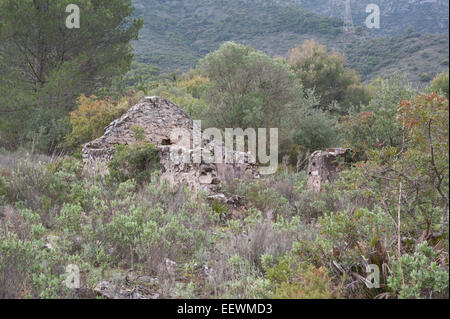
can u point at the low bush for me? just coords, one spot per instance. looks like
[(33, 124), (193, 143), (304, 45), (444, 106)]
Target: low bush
[(133, 162), (419, 275)]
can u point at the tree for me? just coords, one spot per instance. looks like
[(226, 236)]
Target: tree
[(376, 126), (326, 74), (92, 115), (315, 130), (440, 84), (427, 123), (420, 165), (248, 88), (46, 66)]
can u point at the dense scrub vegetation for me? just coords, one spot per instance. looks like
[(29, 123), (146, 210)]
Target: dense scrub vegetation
[(129, 228), (176, 34), (390, 210), (45, 66), (397, 16), (420, 56)]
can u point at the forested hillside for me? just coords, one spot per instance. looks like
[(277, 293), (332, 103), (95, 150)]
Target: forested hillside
[(421, 57), (176, 34), (397, 16)]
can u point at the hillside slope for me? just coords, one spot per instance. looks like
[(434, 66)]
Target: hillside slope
[(177, 33), (396, 16), (420, 57)]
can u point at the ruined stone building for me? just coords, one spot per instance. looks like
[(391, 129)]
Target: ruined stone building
[(324, 166), (164, 124)]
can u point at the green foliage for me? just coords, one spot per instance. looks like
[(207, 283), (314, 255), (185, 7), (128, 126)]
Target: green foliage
[(299, 281), (70, 219), (440, 84), (281, 272), (262, 197), (178, 38), (92, 115), (308, 283), (418, 275), (326, 75), (315, 130), (248, 88), (133, 162), (45, 130), (3, 191), (351, 235), (141, 75), (46, 186), (178, 92), (376, 126), (220, 209), (28, 271), (45, 66)]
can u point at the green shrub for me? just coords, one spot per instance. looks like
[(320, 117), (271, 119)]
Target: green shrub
[(28, 271), (308, 282), (316, 131), (260, 195), (281, 272), (422, 276), (220, 209), (45, 186), (133, 162), (425, 77), (440, 84), (355, 233), (293, 280), (123, 234), (375, 125), (3, 191), (70, 219)]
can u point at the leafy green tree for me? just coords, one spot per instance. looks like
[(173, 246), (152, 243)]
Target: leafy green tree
[(327, 75), (92, 115), (440, 84), (315, 130), (45, 65), (248, 88)]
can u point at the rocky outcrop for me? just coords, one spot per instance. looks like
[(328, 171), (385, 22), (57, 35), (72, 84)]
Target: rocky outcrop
[(166, 125), (324, 166)]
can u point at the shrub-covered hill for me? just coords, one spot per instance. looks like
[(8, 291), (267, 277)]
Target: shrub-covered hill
[(176, 34), (396, 16), (421, 57)]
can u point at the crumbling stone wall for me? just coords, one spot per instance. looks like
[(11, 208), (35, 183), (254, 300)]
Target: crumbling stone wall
[(325, 166), (160, 118)]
